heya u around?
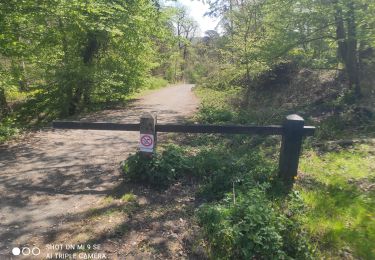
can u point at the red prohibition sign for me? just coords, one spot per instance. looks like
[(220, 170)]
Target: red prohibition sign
[(146, 140)]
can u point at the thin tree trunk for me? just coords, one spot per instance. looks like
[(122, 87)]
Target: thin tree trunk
[(23, 82), (248, 77), (340, 33), (352, 65), (65, 89), (4, 109), (74, 102), (347, 44), (175, 70)]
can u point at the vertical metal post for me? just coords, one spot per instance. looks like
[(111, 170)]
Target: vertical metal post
[(290, 149)]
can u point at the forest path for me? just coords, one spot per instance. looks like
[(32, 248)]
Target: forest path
[(50, 174)]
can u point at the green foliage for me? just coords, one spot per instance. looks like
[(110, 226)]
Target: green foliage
[(214, 115), (222, 171), (244, 215), (258, 37), (223, 78), (163, 169), (214, 105), (245, 223), (216, 169), (61, 58), (7, 129), (313, 34), (252, 227), (155, 83), (335, 186), (176, 50), (129, 197)]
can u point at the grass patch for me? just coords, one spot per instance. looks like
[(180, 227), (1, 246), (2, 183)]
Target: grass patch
[(100, 212), (155, 83), (129, 209), (129, 197), (336, 187), (108, 200), (215, 107), (111, 206)]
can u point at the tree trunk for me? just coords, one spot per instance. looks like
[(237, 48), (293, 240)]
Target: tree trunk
[(248, 87), (23, 82), (87, 91), (85, 85), (65, 89), (4, 109), (340, 33), (74, 102), (347, 44), (175, 70), (352, 66)]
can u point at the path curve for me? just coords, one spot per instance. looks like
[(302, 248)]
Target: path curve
[(50, 173)]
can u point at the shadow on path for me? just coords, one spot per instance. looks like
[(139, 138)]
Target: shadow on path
[(50, 174)]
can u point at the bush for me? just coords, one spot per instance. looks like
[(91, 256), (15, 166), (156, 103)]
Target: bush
[(228, 170), (224, 77), (162, 170), (7, 129), (155, 83), (214, 115), (252, 228), (217, 169)]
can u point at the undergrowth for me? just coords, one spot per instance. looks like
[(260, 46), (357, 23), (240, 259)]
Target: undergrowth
[(244, 212), (241, 216), (335, 185), (164, 168), (7, 129), (254, 227)]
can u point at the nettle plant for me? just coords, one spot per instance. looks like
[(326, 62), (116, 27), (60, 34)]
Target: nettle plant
[(252, 227)]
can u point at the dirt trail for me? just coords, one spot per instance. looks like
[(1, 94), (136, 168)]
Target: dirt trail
[(51, 174)]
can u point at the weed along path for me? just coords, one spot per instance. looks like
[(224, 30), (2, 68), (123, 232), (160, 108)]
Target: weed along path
[(63, 187)]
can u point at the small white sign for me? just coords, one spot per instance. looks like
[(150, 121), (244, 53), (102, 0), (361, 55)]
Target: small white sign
[(146, 143)]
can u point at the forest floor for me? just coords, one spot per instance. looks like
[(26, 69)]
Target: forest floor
[(62, 187)]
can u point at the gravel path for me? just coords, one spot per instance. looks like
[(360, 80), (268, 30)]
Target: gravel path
[(52, 173)]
